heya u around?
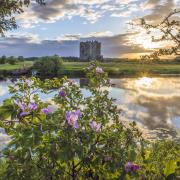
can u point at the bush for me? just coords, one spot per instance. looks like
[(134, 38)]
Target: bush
[(48, 66), (11, 60), (177, 59), (77, 138), (3, 60)]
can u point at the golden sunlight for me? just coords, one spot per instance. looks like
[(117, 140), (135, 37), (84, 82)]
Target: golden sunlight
[(146, 42), (144, 82)]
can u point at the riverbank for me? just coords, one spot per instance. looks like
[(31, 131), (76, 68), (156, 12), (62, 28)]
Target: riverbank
[(116, 69), (20, 68), (124, 69)]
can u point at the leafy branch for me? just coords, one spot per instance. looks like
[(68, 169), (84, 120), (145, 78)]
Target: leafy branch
[(9, 9), (169, 29)]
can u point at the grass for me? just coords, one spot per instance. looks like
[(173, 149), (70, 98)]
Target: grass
[(127, 68), (18, 65), (114, 69)]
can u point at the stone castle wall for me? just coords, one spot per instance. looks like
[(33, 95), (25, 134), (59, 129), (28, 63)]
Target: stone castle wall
[(90, 50)]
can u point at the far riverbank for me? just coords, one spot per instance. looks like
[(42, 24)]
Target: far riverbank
[(116, 69)]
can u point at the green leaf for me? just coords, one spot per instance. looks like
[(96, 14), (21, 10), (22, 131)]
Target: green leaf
[(6, 110), (170, 168)]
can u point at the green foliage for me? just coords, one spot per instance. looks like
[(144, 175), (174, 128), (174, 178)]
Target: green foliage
[(76, 137), (7, 110), (75, 69), (3, 60), (3, 166), (48, 66), (177, 59), (8, 10), (167, 30), (21, 58), (48, 147), (160, 159), (12, 60)]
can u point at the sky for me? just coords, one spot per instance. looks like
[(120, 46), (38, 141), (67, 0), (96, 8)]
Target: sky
[(60, 25)]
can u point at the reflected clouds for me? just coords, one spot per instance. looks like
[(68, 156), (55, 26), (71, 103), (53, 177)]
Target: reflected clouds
[(154, 102), (4, 139), (3, 90)]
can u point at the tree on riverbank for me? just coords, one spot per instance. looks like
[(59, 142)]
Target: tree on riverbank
[(3, 60), (48, 66), (11, 60)]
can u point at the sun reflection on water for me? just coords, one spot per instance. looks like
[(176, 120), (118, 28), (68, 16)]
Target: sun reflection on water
[(144, 82)]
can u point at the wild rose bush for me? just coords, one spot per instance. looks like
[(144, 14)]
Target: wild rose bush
[(82, 138), (72, 136)]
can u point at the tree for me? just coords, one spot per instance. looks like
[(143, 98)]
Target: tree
[(168, 30), (12, 60), (8, 10), (48, 66), (21, 58), (3, 60), (177, 59)]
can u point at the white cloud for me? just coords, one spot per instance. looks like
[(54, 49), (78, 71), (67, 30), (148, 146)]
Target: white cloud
[(121, 14), (75, 37), (12, 39), (99, 34), (69, 37), (91, 11), (125, 1), (160, 9), (151, 4), (89, 2)]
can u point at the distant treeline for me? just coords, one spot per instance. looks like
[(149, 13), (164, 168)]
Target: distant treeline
[(13, 60), (177, 59)]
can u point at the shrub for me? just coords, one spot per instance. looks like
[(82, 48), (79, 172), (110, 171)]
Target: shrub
[(48, 66), (3, 60), (11, 60), (77, 138)]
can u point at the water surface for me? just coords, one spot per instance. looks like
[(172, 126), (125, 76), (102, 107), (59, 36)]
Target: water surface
[(154, 103)]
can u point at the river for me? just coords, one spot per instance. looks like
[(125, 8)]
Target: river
[(154, 103)]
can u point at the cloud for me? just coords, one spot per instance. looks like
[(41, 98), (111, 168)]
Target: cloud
[(98, 34), (159, 110), (151, 4), (65, 9), (94, 10), (91, 11), (155, 11), (72, 37), (121, 14), (154, 104), (67, 45), (160, 9)]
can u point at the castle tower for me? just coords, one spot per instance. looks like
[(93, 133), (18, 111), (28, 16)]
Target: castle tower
[(90, 50)]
